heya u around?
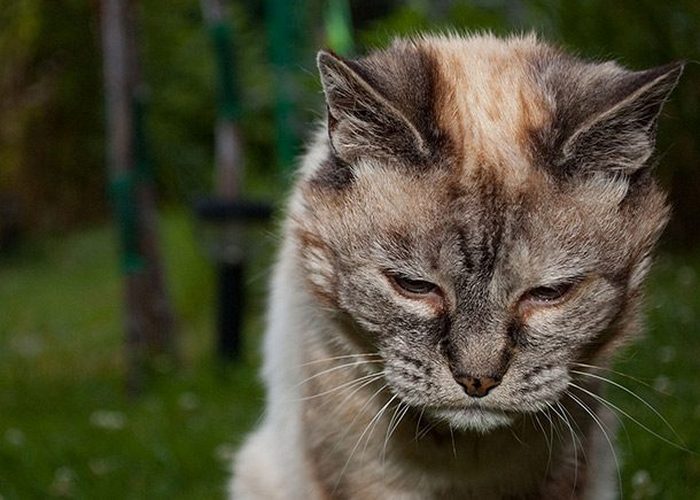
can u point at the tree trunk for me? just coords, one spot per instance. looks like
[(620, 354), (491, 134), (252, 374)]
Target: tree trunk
[(150, 331)]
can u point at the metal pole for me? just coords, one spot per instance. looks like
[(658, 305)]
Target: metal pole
[(229, 169)]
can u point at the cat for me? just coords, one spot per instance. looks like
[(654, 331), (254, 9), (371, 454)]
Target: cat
[(467, 239)]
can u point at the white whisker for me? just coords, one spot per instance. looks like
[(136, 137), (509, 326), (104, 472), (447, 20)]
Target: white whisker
[(634, 395), (623, 412), (418, 421), (369, 426), (335, 358), (621, 374), (387, 434), (605, 434), (547, 438), (335, 368), (359, 388), (574, 441), (371, 377)]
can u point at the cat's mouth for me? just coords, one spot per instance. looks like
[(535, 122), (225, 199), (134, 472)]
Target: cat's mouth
[(478, 419)]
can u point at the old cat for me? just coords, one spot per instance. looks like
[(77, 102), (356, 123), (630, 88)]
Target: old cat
[(467, 239)]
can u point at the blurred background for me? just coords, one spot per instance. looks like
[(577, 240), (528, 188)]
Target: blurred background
[(122, 256)]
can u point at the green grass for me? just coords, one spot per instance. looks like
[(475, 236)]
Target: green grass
[(68, 430), (668, 360)]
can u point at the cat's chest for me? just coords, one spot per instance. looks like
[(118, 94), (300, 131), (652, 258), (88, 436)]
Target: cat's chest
[(377, 459)]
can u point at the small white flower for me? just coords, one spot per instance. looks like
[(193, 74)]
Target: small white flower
[(663, 384), (63, 481), (685, 276), (15, 437), (667, 354), (106, 419), (101, 466), (188, 401), (27, 345), (643, 486), (641, 478)]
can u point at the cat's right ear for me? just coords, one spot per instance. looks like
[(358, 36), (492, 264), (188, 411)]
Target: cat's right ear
[(362, 122), (620, 134)]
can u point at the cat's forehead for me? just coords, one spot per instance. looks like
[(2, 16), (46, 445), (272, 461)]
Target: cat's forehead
[(442, 131), (487, 101)]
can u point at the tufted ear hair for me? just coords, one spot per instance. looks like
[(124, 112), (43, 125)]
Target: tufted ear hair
[(363, 119), (619, 134)]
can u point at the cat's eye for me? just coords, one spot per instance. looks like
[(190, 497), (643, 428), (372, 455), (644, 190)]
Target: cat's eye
[(549, 294), (413, 286)]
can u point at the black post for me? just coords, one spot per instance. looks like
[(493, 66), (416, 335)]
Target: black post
[(231, 303)]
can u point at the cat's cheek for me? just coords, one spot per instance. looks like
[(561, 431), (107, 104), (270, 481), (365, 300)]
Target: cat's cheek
[(429, 384), (317, 264), (534, 388)]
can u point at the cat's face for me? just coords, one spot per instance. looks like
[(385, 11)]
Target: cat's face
[(482, 243)]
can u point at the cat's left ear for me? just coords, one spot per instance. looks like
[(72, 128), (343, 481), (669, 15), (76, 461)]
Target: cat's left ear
[(620, 135)]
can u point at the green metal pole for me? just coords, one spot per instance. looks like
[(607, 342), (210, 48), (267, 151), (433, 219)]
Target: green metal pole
[(283, 21), (229, 151), (222, 39), (339, 27)]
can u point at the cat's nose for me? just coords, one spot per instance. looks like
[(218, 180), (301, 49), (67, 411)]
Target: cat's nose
[(477, 387)]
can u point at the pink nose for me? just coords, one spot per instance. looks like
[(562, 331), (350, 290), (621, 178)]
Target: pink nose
[(477, 387)]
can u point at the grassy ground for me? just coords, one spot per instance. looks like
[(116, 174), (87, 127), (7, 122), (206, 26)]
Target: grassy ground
[(66, 427), (67, 430)]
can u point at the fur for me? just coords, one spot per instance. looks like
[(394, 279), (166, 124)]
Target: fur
[(497, 171)]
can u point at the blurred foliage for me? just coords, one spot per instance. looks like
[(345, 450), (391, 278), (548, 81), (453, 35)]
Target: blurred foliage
[(51, 110)]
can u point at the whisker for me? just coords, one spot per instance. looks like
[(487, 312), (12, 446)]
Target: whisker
[(578, 428), (357, 389), (600, 425), (621, 374), (405, 412), (452, 438), (616, 408), (634, 395), (574, 441), (547, 439), (346, 356), (388, 429), (393, 428), (515, 435), (371, 377), (370, 425), (418, 421), (553, 427), (376, 393), (369, 400), (427, 430), (335, 368), (578, 434)]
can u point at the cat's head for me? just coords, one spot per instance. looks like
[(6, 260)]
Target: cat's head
[(483, 212)]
